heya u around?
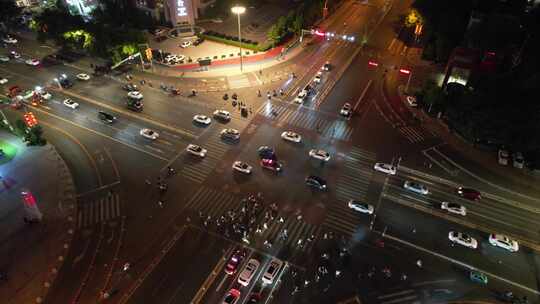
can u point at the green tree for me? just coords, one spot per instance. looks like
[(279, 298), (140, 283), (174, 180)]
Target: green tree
[(273, 34), (298, 23), (34, 137), (8, 10)]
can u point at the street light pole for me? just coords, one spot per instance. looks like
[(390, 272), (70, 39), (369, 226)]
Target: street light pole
[(408, 82), (238, 10)]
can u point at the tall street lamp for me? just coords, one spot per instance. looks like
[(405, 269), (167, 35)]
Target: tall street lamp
[(238, 10)]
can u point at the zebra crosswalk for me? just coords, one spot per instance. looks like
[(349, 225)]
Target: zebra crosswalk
[(415, 134), (352, 184), (213, 202), (336, 128), (197, 169), (217, 203), (98, 210), (298, 232)]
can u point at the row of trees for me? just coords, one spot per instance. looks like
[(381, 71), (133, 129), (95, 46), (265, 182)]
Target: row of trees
[(112, 31), (447, 25), (306, 14)]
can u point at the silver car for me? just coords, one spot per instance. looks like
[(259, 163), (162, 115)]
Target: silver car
[(416, 187)]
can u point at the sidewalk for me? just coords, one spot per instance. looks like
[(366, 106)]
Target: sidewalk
[(33, 253)]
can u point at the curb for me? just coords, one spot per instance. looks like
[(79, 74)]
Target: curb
[(67, 196)]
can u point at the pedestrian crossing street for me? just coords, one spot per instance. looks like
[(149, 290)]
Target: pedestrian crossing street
[(98, 210), (297, 231), (215, 203), (352, 184), (408, 296), (336, 128), (416, 134)]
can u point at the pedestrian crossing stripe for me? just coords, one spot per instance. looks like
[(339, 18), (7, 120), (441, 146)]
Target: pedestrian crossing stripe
[(416, 134), (99, 210), (353, 183), (337, 128), (216, 203), (359, 153), (196, 169)]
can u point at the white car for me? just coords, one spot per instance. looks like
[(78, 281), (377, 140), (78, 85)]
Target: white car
[(70, 103), (301, 97), (83, 76), (10, 40), (346, 110), (230, 134), (272, 271), (385, 168), (416, 187), (411, 100), (202, 119), (361, 207), (326, 66), (222, 115), (454, 208), (196, 150), (500, 240), (45, 95), (462, 239), (518, 160), (291, 136), (185, 44), (4, 58), (3, 80), (318, 77), (319, 154), (148, 133), (135, 95), (32, 62), (503, 157), (242, 167), (248, 272)]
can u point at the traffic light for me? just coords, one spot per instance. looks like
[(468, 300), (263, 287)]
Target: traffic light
[(30, 119), (148, 53)]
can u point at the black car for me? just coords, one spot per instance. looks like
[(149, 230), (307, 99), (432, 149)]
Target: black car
[(316, 182), (130, 87), (106, 117), (266, 152), (65, 82), (198, 41)]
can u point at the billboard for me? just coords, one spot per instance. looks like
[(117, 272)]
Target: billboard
[(182, 11)]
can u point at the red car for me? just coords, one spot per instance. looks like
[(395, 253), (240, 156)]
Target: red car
[(232, 296), (13, 91), (469, 193), (271, 164), (234, 261)]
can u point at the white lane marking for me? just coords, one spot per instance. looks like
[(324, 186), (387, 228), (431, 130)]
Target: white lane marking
[(462, 264)]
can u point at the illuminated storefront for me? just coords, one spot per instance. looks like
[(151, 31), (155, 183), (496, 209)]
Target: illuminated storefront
[(181, 12)]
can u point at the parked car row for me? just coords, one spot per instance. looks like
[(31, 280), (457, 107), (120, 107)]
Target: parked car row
[(504, 158)]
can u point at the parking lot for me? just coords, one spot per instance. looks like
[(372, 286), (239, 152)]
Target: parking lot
[(205, 50)]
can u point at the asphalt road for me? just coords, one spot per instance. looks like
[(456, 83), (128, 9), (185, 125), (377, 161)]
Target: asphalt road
[(178, 241)]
